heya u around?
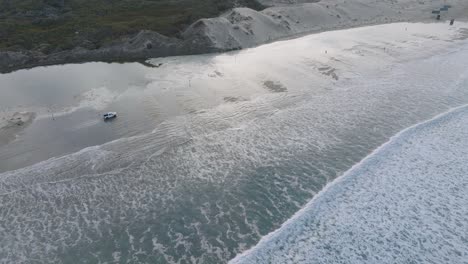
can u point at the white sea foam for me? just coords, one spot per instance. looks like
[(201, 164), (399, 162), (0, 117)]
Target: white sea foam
[(405, 202), (206, 185)]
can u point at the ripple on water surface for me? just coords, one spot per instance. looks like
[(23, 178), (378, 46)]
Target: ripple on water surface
[(201, 186), (404, 203)]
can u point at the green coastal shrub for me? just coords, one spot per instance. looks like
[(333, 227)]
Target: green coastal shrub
[(64, 24)]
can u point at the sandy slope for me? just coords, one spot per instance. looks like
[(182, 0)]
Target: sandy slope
[(244, 27), (203, 186)]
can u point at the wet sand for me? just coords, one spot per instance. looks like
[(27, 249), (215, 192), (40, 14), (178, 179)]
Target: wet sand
[(144, 97), (243, 28), (12, 124), (210, 153)]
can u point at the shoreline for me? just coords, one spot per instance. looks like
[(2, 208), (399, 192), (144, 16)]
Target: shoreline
[(238, 29), (320, 127), (269, 247), (11, 125)]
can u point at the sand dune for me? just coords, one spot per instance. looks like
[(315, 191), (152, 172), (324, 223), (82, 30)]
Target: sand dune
[(244, 27)]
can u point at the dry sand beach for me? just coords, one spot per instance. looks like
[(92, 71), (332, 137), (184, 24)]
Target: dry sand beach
[(245, 28), (348, 145), (211, 153)]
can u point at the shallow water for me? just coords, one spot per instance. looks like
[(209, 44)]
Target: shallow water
[(405, 203), (210, 153)]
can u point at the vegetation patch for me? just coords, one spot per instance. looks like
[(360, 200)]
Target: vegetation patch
[(55, 25)]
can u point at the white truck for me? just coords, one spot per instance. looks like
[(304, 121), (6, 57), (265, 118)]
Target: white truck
[(110, 115)]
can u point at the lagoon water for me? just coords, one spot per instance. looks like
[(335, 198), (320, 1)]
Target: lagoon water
[(209, 153)]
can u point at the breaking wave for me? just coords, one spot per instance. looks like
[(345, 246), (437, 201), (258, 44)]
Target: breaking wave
[(404, 203), (208, 184)]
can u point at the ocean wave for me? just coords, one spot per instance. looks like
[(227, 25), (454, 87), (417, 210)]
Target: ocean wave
[(206, 185), (403, 203)]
